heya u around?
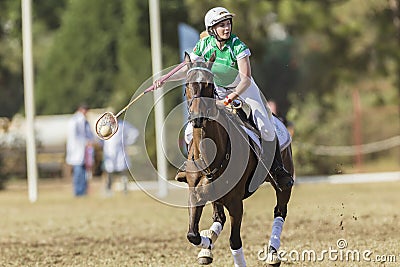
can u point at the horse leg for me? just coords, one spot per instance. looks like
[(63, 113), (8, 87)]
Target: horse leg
[(193, 235), (282, 199), (280, 212), (205, 255), (235, 209), (195, 212)]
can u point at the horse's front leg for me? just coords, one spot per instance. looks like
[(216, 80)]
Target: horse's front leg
[(205, 255), (193, 235), (195, 212), (235, 209)]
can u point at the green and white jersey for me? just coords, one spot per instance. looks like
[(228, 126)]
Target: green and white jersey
[(225, 67)]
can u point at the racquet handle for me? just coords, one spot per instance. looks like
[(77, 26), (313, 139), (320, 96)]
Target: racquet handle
[(167, 76), (152, 87)]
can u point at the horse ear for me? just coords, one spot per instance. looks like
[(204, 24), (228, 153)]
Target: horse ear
[(211, 60), (187, 58)]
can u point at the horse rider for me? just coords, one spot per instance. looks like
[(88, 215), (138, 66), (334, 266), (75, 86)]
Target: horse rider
[(232, 78)]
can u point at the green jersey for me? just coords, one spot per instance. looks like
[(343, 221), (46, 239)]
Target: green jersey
[(225, 67)]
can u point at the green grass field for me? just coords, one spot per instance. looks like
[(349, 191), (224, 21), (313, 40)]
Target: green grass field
[(136, 230)]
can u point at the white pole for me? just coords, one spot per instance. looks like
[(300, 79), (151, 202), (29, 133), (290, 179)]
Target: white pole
[(29, 99), (156, 57)]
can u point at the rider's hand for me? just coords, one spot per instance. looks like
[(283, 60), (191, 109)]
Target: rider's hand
[(227, 100)]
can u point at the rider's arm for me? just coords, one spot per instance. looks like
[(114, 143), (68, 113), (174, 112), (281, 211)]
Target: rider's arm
[(245, 78)]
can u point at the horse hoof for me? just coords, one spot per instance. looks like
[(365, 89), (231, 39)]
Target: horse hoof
[(204, 260), (273, 259), (205, 256), (274, 265)]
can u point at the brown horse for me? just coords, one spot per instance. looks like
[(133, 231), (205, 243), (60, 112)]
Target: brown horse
[(219, 169)]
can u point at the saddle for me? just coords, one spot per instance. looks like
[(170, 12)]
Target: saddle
[(242, 115)]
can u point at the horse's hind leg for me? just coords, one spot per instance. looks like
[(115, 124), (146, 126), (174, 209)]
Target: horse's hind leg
[(205, 255), (235, 208), (280, 212)]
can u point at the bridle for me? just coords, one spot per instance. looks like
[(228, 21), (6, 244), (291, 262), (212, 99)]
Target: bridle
[(197, 79)]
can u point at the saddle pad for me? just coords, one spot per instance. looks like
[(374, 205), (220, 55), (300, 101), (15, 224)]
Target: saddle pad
[(281, 132)]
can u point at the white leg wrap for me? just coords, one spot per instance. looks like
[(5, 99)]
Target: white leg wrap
[(216, 227), (210, 234), (277, 226), (213, 232), (238, 257), (205, 242)]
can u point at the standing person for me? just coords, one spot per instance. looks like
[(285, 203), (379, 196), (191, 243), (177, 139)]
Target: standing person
[(116, 161), (232, 78), (80, 136)]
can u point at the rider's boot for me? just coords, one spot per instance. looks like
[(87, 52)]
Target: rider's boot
[(181, 173), (283, 179)]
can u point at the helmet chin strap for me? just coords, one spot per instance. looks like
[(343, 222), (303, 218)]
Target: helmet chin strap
[(214, 33), (219, 39)]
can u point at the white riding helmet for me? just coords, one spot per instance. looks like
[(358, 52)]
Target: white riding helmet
[(216, 15)]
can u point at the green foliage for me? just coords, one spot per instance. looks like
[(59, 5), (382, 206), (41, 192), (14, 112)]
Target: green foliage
[(11, 90), (81, 65), (132, 55), (340, 54)]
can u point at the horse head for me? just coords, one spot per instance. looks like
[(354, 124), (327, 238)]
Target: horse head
[(200, 91)]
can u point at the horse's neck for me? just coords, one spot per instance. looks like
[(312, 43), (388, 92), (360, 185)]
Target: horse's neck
[(216, 133)]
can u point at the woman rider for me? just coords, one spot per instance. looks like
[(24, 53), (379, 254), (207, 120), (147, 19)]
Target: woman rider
[(233, 80)]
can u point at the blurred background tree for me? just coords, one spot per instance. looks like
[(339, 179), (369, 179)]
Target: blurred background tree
[(310, 57), (11, 92)]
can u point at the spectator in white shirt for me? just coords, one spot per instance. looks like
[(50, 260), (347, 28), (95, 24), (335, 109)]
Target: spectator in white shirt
[(116, 160), (79, 137)]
